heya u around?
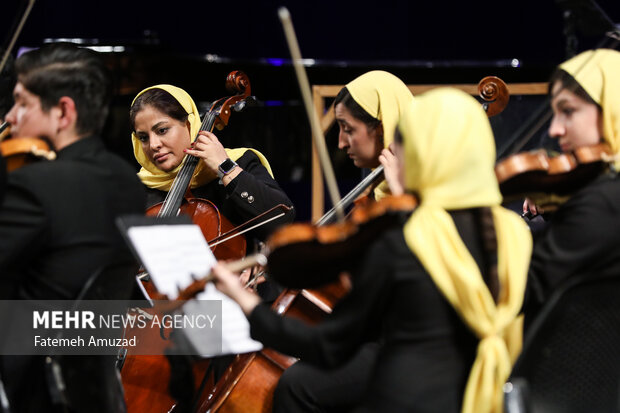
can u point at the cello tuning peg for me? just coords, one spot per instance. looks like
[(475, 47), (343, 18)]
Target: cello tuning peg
[(238, 107), (248, 101)]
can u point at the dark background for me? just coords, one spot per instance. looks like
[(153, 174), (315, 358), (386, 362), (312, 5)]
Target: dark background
[(194, 44)]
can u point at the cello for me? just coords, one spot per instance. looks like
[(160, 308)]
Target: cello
[(146, 378)]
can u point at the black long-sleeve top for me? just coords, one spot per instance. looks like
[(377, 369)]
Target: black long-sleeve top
[(426, 351), (582, 237), (57, 221)]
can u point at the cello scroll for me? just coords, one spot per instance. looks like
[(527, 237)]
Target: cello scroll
[(494, 92), (238, 83)]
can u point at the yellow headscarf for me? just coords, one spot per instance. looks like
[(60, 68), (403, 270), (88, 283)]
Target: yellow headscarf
[(449, 162), (154, 177), (598, 72), (384, 97)]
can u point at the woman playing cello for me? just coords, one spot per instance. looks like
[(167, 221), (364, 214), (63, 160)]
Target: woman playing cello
[(443, 291), (166, 123), (238, 182), (581, 236)]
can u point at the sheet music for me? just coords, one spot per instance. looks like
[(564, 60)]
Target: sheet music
[(172, 254)]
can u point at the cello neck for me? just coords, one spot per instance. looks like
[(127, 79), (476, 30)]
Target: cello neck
[(374, 177), (181, 182)]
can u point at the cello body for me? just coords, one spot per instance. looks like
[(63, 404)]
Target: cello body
[(250, 380)]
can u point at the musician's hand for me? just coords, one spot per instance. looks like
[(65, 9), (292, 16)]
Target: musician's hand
[(251, 277), (530, 209), (209, 148), (391, 170), (228, 283)]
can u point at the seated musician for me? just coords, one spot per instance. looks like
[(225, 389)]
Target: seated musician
[(367, 111), (239, 182), (443, 290), (166, 126), (57, 224), (581, 236)]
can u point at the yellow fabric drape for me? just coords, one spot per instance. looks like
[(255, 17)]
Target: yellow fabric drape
[(598, 72), (384, 97), (153, 177), (449, 163)]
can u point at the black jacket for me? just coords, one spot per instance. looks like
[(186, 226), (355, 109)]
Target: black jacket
[(57, 227), (57, 220)]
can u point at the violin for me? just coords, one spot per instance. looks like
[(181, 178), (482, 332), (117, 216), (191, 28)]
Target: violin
[(19, 152), (550, 180), (334, 248)]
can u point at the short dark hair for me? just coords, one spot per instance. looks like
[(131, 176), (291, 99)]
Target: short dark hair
[(569, 82), (344, 97), (64, 69), (160, 100)]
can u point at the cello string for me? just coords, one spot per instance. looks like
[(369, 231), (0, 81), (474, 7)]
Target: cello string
[(180, 184)]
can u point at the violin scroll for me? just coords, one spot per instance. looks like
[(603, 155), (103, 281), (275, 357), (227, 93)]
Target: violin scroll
[(494, 92)]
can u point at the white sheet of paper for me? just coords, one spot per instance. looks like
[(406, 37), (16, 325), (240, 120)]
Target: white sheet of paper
[(235, 327), (172, 254)]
